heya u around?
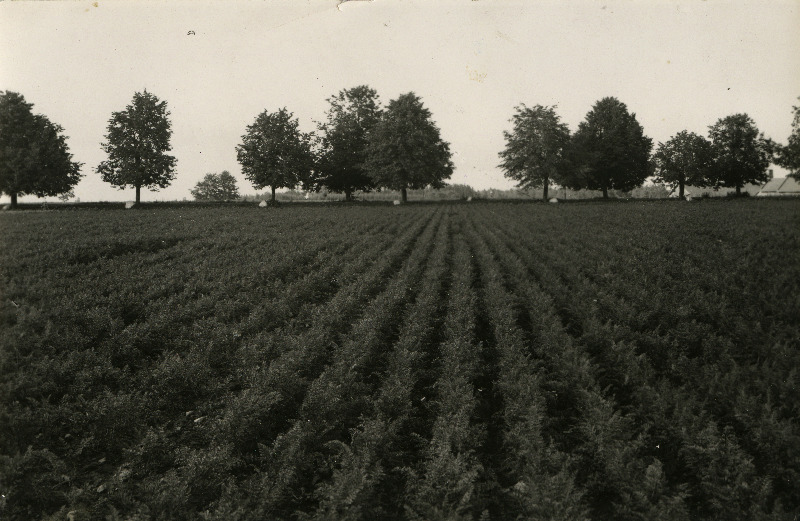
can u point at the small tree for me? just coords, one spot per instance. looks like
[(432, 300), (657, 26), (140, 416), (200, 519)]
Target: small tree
[(216, 187), (405, 149), (34, 156), (535, 150), (741, 154), (789, 156), (685, 159), (275, 153), (343, 141), (610, 150), (137, 143)]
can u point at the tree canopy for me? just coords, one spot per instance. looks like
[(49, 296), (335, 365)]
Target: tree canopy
[(343, 140), (216, 187), (34, 156), (137, 143), (275, 153), (609, 150), (741, 154), (789, 156), (535, 153), (405, 149), (685, 159)]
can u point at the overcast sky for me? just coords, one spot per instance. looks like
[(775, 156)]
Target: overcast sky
[(678, 64)]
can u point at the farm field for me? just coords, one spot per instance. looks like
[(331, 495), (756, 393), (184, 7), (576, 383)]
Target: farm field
[(452, 361)]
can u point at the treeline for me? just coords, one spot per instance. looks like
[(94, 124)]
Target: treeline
[(360, 146), (363, 146), (610, 151)]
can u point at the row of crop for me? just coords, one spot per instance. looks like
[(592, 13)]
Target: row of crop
[(445, 485), (687, 451), (84, 305), (292, 463), (372, 463), (529, 476), (268, 379), (601, 444), (739, 372), (162, 326), (101, 418)]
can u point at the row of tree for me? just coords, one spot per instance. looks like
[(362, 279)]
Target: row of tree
[(362, 146), (610, 151)]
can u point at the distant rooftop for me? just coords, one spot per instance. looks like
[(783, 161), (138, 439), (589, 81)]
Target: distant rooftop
[(781, 186)]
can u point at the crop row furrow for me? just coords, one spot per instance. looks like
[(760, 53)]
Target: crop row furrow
[(620, 366), (269, 375), (333, 402), (729, 398), (276, 367), (620, 454), (605, 445), (528, 468), (372, 464), (445, 484)]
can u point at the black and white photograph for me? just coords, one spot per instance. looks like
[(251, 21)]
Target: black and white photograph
[(445, 260)]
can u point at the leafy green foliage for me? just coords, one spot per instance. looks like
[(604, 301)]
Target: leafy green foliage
[(741, 154), (405, 149), (686, 159), (137, 143), (275, 153), (536, 150), (789, 155), (34, 156), (609, 150), (343, 140), (216, 187), (480, 361)]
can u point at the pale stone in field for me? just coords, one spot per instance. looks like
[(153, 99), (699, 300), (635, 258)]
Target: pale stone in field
[(129, 204), (553, 200), (396, 202), (262, 204)]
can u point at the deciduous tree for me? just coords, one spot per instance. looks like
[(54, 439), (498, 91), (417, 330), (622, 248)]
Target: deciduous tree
[(535, 153), (741, 154), (137, 143), (610, 150), (343, 140), (789, 156), (216, 187), (685, 159), (275, 153), (34, 156), (405, 149)]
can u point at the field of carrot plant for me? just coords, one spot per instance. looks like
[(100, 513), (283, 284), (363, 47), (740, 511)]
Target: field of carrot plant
[(458, 361)]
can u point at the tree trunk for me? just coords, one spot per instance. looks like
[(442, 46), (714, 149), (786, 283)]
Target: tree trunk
[(546, 187), (138, 193), (404, 194), (605, 192), (273, 194), (13, 200), (348, 195), (738, 190), (680, 189)]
